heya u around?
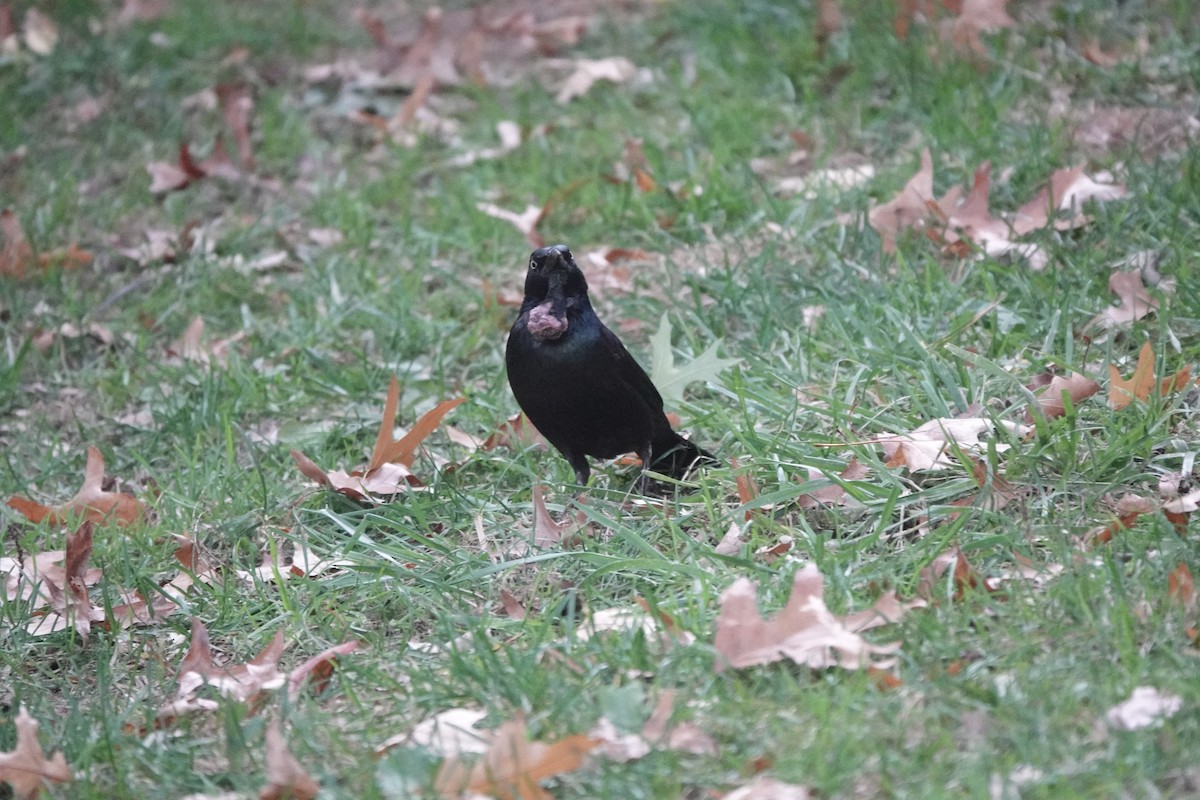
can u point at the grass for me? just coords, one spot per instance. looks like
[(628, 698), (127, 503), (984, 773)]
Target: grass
[(997, 696)]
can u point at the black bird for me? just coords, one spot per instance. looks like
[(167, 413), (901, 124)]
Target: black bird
[(578, 384)]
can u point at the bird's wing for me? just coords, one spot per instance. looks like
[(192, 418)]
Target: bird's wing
[(629, 370)]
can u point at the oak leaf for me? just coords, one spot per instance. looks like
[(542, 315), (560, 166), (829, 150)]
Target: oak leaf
[(1050, 399), (804, 630), (671, 379), (513, 767), (286, 779), (91, 502), (586, 72), (388, 472), (26, 768), (1140, 385), (1146, 707), (929, 446), (908, 209)]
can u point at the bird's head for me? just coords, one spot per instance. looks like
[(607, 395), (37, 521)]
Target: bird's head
[(553, 284)]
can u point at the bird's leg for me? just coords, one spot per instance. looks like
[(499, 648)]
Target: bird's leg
[(643, 481), (579, 463)]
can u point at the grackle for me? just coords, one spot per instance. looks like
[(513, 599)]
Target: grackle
[(578, 384)]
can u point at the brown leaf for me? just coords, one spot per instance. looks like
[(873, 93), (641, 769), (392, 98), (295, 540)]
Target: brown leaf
[(91, 502), (526, 221), (513, 767), (516, 432), (929, 446), (1181, 588), (1050, 400), (25, 768), (979, 17), (835, 493), (616, 69), (746, 489), (547, 531), (1129, 508), (908, 209), (16, 256), (236, 105), (804, 630), (387, 473), (764, 788), (403, 450), (316, 671), (1136, 302), (286, 779)]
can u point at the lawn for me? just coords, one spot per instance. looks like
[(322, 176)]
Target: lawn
[(229, 226)]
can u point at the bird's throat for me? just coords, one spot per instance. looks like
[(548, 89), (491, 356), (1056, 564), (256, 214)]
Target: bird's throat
[(547, 322)]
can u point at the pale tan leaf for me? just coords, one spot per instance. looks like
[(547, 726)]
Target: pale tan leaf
[(286, 779), (1146, 707), (25, 768)]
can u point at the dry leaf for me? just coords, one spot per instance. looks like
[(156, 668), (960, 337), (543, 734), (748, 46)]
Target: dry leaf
[(517, 432), (1129, 508), (731, 542), (526, 221), (41, 33), (1050, 400), (804, 631), (1136, 302), (286, 779), (979, 17), (587, 71), (16, 256), (91, 502), (448, 733), (835, 493), (69, 595), (1140, 385), (513, 767), (929, 446), (908, 209), (25, 768), (1181, 588), (1147, 707), (764, 788), (387, 472)]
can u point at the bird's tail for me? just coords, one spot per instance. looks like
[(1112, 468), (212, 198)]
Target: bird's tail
[(676, 457)]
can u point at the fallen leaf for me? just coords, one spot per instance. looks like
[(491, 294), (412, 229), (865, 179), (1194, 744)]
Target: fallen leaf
[(91, 502), (1136, 303), (526, 221), (388, 472), (1146, 707), (1181, 588), (448, 733), (669, 379), (517, 432), (547, 532), (16, 256), (834, 494), (1122, 391), (69, 600), (587, 71), (1050, 400), (1129, 508), (978, 17), (41, 33), (25, 768), (286, 779), (513, 766), (929, 446), (804, 631), (951, 564), (764, 788), (731, 542), (908, 209), (237, 104)]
